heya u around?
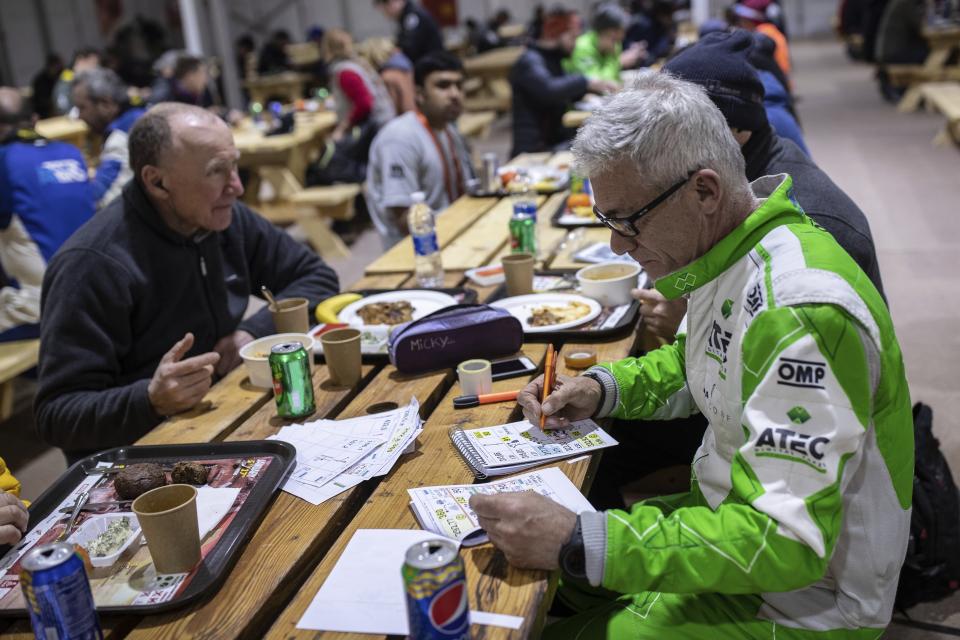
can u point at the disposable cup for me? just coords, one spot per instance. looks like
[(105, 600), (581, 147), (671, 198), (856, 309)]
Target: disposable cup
[(290, 315), (341, 348), (518, 270), (168, 519)]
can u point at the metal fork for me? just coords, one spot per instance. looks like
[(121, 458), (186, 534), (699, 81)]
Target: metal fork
[(77, 506)]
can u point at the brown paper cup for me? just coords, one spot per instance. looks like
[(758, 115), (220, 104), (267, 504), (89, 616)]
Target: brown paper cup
[(518, 270), (290, 316), (168, 518), (341, 348)]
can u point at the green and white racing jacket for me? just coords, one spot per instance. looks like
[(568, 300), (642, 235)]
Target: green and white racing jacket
[(805, 472)]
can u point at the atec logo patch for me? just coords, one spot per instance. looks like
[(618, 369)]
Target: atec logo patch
[(780, 442), (801, 373)]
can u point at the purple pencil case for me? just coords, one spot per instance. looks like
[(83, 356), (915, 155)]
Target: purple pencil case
[(447, 337)]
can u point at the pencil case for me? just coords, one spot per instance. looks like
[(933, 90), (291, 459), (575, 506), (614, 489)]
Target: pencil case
[(451, 335)]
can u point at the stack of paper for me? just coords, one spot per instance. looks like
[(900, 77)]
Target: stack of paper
[(335, 455), (446, 510)]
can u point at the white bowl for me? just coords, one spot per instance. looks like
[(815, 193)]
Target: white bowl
[(609, 283), (255, 355), (95, 526)]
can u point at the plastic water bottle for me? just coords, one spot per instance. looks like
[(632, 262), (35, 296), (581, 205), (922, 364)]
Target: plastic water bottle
[(427, 262), (523, 223)]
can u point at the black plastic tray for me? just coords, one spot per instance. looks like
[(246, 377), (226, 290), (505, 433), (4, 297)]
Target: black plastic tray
[(587, 222), (463, 295), (626, 324), (216, 564)]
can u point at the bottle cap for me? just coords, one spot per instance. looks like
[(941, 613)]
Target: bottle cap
[(418, 196)]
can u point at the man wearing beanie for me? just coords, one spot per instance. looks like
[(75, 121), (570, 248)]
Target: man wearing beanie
[(543, 91), (718, 62)]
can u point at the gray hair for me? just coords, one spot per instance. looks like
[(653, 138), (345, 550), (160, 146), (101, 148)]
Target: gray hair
[(102, 84), (666, 127), (152, 135)]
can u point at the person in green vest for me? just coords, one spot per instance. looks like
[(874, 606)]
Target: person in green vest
[(599, 53)]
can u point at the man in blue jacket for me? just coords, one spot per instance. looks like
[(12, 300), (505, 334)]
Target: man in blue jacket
[(44, 197), (102, 100)]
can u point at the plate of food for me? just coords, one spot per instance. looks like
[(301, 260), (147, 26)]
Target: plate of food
[(394, 307), (543, 178), (544, 312)]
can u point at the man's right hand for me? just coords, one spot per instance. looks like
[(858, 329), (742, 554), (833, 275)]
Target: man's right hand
[(178, 385), (661, 317), (574, 398)]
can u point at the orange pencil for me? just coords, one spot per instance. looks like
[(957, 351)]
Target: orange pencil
[(549, 378)]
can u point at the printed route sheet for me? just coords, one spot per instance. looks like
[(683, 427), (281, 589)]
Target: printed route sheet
[(523, 442), (446, 510)]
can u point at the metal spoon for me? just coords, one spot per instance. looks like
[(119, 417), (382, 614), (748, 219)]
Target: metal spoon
[(269, 296), (77, 506)]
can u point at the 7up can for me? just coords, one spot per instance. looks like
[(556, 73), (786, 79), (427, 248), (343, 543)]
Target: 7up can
[(436, 584), (292, 382)]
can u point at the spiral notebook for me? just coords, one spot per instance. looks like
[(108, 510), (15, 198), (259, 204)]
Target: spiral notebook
[(503, 449)]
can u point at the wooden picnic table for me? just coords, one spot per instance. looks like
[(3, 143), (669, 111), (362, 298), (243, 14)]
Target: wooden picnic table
[(287, 85), (297, 544), (65, 128), (476, 124)]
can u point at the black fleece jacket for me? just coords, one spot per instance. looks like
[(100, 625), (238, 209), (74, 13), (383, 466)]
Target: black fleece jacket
[(767, 154), (125, 288), (542, 92)]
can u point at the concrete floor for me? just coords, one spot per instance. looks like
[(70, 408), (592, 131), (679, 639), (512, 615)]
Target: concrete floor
[(885, 161)]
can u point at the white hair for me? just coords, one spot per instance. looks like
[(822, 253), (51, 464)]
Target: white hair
[(667, 128)]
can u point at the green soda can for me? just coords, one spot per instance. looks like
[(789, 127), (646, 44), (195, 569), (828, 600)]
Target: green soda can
[(523, 234), (292, 382)]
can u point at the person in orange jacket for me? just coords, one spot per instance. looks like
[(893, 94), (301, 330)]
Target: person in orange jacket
[(751, 16)]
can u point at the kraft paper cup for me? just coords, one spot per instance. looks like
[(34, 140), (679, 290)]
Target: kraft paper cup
[(290, 315), (518, 270), (168, 519), (341, 348)]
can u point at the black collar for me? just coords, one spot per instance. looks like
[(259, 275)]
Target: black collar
[(137, 203)]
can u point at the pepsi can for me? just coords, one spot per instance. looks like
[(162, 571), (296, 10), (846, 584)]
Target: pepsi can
[(436, 586), (57, 594)]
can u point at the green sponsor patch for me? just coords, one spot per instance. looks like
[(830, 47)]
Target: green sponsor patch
[(798, 415), (726, 308)]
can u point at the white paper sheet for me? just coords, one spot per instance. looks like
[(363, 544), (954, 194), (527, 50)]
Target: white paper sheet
[(524, 442), (446, 510), (213, 503), (364, 593)]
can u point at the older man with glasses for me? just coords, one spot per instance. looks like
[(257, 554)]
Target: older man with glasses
[(797, 518)]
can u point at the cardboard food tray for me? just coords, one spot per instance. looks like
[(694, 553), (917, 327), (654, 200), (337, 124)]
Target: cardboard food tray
[(462, 295), (558, 219), (584, 333), (276, 461)]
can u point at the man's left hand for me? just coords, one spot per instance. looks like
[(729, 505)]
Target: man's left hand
[(229, 349), (529, 528)]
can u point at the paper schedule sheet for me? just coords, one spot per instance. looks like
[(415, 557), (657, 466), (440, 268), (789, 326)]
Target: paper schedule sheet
[(446, 510)]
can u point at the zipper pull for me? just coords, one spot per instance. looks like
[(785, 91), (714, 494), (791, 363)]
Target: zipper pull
[(203, 267)]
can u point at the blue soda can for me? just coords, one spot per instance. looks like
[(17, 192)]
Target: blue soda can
[(57, 594), (436, 585)]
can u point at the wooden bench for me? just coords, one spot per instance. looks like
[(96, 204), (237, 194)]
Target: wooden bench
[(314, 209), (15, 358), (945, 98)]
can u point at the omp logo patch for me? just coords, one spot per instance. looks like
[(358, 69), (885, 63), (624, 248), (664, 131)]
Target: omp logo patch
[(778, 442), (754, 300), (801, 373)]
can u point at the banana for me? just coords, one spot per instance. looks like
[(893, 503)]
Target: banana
[(328, 309)]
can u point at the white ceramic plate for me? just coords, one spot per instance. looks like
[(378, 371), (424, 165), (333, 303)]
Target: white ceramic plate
[(521, 307), (424, 303)]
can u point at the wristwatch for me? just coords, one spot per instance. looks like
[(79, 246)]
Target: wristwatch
[(573, 558)]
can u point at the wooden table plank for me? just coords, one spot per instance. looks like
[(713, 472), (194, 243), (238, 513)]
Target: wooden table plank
[(450, 224), (294, 535), (591, 235), (388, 507), (486, 237), (17, 357), (228, 403)]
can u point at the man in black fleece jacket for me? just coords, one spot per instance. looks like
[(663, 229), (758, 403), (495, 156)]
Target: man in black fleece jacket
[(143, 306)]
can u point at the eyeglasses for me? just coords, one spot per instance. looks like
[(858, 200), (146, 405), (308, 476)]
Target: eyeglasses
[(626, 226)]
